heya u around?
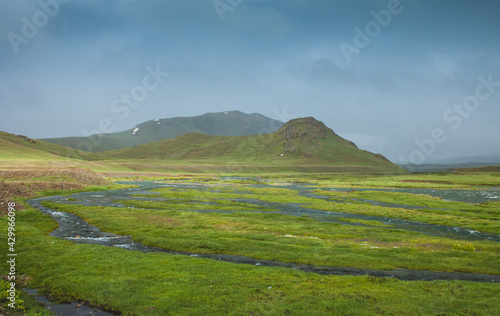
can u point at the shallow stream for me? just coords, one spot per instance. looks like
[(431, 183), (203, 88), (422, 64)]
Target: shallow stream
[(68, 309), (72, 227)]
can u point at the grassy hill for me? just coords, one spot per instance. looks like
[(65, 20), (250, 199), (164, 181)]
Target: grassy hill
[(300, 142), (232, 123), (301, 145), (18, 147)]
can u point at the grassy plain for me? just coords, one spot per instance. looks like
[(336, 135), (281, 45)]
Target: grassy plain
[(290, 239), (158, 284), (136, 283)]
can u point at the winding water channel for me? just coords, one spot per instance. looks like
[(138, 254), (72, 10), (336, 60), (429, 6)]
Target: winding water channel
[(74, 228)]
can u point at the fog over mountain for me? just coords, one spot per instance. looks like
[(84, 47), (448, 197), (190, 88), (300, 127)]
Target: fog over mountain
[(416, 81), (488, 159)]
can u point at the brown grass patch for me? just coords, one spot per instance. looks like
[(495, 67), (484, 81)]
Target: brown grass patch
[(478, 169), (119, 174), (30, 182)]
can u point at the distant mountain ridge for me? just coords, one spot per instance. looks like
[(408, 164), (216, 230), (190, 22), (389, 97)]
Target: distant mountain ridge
[(483, 159), (455, 163), (229, 123), (304, 142)]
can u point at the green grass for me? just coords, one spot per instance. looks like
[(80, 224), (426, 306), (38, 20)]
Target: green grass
[(199, 205), (93, 188), (431, 180), (365, 222), (16, 148), (158, 284), (25, 304), (288, 239), (136, 283), (482, 217)]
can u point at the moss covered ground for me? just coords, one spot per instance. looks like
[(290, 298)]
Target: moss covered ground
[(136, 283)]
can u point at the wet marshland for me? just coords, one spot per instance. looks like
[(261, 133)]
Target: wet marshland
[(77, 230)]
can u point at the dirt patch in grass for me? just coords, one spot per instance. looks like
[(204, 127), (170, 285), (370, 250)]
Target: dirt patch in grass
[(84, 176), (134, 174), (478, 169), (26, 183)]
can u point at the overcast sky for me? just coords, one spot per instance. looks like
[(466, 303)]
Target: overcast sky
[(384, 74)]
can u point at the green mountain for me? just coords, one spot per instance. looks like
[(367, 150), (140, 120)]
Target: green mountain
[(232, 123), (303, 142), (300, 145), (19, 147)]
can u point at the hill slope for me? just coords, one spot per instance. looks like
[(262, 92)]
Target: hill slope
[(304, 142), (233, 123), (18, 147)]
